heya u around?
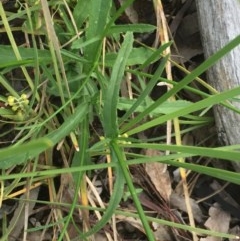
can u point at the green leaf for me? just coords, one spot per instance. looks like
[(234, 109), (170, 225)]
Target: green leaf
[(137, 56), (81, 12), (136, 28), (81, 43), (98, 18), (15, 155), (8, 58), (111, 93), (165, 108)]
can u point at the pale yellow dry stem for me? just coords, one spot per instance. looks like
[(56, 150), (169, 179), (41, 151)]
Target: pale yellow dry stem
[(93, 204), (71, 17), (26, 207), (77, 36), (1, 192), (72, 39), (163, 36), (110, 184), (47, 222), (27, 41), (129, 85), (55, 51), (103, 55), (54, 43), (84, 199), (23, 190)]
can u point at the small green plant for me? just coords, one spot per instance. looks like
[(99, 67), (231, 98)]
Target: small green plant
[(19, 105), (14, 108)]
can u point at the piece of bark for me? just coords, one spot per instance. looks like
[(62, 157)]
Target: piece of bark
[(219, 23)]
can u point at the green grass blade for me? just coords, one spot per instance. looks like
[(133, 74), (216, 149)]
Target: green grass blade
[(232, 177), (191, 76), (221, 153), (155, 56), (153, 81), (212, 100), (125, 171)]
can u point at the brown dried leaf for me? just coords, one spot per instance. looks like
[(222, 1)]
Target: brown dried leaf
[(160, 232), (136, 223), (159, 175), (218, 221), (178, 201), (236, 231), (37, 235)]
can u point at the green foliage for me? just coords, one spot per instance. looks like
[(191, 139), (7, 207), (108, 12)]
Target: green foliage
[(8, 58), (98, 18), (111, 93), (33, 148), (79, 83)]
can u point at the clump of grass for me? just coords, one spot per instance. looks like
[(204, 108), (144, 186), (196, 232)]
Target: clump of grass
[(74, 68)]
